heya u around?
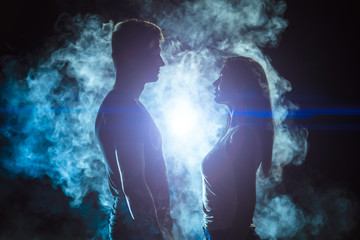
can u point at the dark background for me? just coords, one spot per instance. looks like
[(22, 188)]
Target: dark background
[(318, 53)]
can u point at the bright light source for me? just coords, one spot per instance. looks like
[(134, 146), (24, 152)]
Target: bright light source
[(182, 118)]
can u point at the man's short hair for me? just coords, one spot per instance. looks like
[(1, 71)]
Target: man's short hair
[(133, 34)]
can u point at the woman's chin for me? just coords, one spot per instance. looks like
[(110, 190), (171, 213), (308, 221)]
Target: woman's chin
[(218, 99)]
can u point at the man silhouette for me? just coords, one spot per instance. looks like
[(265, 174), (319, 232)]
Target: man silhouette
[(130, 140)]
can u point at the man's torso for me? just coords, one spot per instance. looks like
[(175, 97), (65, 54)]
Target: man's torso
[(132, 121)]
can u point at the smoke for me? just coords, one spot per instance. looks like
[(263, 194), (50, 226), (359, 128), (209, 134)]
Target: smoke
[(198, 34), (50, 110), (49, 114)]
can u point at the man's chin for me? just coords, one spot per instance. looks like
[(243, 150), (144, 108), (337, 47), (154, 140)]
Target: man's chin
[(152, 80)]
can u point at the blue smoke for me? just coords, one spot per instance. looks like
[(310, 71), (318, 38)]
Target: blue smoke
[(50, 111)]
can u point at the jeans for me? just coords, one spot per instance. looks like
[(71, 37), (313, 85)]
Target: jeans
[(225, 234)]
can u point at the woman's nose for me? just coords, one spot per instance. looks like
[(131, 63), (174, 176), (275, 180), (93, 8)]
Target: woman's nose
[(216, 83)]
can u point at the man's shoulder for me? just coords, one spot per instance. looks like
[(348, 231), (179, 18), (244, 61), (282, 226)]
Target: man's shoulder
[(115, 99), (119, 105), (121, 112)]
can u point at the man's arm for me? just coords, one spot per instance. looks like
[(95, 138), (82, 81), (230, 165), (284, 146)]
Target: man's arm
[(131, 163), (123, 134)]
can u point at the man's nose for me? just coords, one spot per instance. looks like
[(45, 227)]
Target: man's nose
[(161, 62)]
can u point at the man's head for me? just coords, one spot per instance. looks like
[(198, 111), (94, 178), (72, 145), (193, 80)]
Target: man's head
[(136, 50)]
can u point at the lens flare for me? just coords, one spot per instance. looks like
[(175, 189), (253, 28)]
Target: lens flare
[(51, 110), (52, 140)]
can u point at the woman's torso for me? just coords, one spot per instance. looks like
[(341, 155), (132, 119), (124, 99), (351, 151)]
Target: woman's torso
[(229, 179)]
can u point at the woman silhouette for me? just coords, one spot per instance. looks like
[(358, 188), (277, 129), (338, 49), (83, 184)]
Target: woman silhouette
[(229, 169)]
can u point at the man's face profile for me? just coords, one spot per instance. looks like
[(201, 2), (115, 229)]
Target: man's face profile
[(136, 51), (151, 62)]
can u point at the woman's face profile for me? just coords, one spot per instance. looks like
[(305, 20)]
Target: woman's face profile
[(225, 87)]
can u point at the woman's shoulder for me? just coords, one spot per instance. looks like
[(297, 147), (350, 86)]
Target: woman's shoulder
[(242, 131), (241, 137), (253, 129), (241, 145)]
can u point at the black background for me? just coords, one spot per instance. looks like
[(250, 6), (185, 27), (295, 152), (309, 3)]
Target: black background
[(318, 53)]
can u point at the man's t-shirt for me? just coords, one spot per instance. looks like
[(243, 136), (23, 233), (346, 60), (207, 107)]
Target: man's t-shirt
[(122, 118)]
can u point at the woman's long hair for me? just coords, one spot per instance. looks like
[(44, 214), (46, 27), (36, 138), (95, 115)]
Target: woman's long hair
[(251, 80)]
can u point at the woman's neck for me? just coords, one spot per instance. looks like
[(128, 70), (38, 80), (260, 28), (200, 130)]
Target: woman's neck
[(244, 115)]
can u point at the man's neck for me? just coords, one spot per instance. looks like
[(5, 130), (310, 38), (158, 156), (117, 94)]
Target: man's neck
[(128, 87)]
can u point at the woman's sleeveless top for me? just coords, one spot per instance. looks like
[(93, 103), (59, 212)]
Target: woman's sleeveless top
[(219, 172)]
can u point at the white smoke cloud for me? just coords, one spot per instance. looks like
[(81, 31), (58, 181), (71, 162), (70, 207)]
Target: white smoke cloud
[(53, 109), (199, 34)]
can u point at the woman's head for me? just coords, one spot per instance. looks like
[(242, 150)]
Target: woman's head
[(243, 85), (242, 81)]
